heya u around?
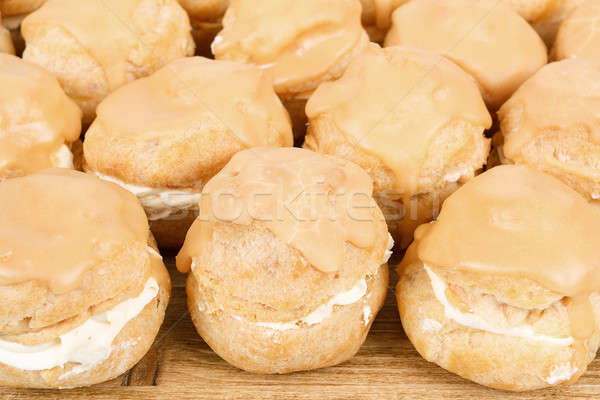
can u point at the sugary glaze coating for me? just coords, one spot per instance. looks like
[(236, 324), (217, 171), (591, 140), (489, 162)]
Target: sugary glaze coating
[(551, 124), (304, 198), (38, 122), (300, 43), (413, 120), (485, 38), (377, 16), (165, 136), (578, 35), (95, 47), (508, 280), (31, 236), (80, 253), (6, 44), (181, 125), (301, 229), (544, 15)]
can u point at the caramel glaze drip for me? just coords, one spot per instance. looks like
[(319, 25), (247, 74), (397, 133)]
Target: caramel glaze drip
[(91, 22), (36, 116), (547, 103), (240, 97), (295, 41), (55, 224), (516, 221), (486, 38), (314, 203), (393, 102)]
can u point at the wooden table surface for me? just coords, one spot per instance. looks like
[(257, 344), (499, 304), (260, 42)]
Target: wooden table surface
[(181, 366)]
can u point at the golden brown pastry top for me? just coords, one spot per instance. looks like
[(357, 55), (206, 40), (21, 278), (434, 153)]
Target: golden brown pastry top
[(488, 40), (205, 10), (393, 102), (189, 99), (517, 221), (563, 96), (315, 203), (296, 41), (579, 34), (106, 29), (36, 117), (57, 223)]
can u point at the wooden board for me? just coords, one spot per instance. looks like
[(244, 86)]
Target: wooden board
[(181, 366)]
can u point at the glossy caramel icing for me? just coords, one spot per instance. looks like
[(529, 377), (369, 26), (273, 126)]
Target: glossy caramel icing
[(315, 203), (106, 29), (58, 223), (190, 92), (36, 117), (514, 220), (394, 102), (295, 41), (558, 104), (485, 38)]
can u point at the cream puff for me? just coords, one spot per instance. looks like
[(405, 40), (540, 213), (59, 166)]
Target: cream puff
[(413, 120), (299, 43), (163, 137), (82, 287), (551, 123), (6, 44), (504, 288), (39, 123), (287, 260), (485, 38), (206, 18), (377, 17), (578, 35), (544, 15), (94, 47)]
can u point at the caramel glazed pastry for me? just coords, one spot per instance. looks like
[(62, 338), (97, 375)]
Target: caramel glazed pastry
[(504, 288), (418, 141), (94, 47), (290, 274), (578, 35), (551, 123), (485, 38), (163, 137), (300, 43), (206, 18), (82, 287), (544, 15), (39, 124)]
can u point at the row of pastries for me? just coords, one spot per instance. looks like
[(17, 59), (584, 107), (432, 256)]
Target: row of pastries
[(115, 142)]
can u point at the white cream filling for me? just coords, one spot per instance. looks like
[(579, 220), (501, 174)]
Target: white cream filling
[(561, 373), (158, 203), (88, 344), (320, 314), (63, 158), (474, 321), (388, 251)]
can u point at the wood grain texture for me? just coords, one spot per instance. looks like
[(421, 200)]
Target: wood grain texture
[(181, 366)]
